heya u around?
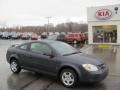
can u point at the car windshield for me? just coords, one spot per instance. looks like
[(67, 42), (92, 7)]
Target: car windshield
[(64, 49)]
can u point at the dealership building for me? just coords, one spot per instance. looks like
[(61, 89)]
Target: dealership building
[(104, 25)]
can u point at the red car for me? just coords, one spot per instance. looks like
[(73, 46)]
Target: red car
[(34, 36), (74, 37)]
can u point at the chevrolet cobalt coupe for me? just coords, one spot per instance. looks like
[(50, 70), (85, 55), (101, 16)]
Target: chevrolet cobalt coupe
[(56, 58)]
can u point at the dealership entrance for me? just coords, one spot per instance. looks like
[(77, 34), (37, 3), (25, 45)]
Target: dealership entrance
[(104, 25), (105, 34)]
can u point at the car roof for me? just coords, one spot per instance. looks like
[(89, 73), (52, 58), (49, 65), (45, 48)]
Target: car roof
[(45, 41)]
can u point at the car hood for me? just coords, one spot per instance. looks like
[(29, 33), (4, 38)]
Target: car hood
[(82, 58)]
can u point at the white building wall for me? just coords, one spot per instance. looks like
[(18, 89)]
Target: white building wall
[(91, 11), (90, 34), (118, 34)]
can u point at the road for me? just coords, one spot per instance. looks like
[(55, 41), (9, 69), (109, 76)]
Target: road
[(27, 80)]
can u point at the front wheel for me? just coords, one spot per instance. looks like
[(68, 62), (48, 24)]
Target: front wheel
[(15, 67), (68, 77)]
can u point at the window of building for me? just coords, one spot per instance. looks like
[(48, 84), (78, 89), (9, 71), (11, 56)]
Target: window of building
[(105, 34)]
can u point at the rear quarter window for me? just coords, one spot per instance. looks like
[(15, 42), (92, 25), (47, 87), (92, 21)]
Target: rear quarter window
[(23, 47)]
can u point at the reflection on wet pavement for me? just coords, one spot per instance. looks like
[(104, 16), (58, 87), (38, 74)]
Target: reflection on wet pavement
[(111, 83), (19, 81), (110, 58)]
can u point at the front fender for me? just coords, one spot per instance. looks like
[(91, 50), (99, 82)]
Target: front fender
[(66, 65)]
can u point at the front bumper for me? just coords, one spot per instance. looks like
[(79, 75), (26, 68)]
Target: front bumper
[(96, 76)]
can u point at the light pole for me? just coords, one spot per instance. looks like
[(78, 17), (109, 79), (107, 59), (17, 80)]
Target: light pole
[(48, 18)]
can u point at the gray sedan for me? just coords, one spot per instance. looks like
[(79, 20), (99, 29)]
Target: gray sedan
[(59, 59)]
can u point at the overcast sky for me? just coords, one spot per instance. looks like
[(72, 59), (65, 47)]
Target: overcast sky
[(33, 12)]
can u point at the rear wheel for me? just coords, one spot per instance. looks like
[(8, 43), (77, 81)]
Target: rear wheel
[(68, 77), (15, 67)]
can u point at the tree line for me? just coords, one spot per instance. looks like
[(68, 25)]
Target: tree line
[(63, 27)]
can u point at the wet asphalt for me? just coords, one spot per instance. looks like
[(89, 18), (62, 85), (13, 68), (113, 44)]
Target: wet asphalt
[(27, 80)]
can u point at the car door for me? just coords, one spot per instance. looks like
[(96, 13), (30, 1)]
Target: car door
[(23, 55), (40, 58)]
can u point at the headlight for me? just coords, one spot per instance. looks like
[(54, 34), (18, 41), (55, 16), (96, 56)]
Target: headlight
[(90, 67)]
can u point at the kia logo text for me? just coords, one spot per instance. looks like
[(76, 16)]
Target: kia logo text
[(103, 14)]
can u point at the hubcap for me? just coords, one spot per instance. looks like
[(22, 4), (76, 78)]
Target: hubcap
[(14, 66), (68, 78)]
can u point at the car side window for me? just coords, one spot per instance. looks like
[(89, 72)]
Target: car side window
[(40, 48), (24, 47)]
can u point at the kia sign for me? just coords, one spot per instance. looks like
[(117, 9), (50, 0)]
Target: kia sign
[(103, 14)]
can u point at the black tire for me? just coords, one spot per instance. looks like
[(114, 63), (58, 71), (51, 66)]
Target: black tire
[(14, 66), (74, 76)]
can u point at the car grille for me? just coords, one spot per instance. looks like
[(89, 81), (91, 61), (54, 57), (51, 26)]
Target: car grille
[(101, 66)]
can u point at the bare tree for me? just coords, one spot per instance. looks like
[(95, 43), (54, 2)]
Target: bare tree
[(63, 27)]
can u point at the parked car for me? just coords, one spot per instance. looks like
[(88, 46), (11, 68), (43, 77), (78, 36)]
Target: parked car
[(10, 34), (29, 33), (34, 36), (5, 35), (25, 36), (74, 38), (15, 36), (61, 37), (59, 59), (44, 35), (20, 34)]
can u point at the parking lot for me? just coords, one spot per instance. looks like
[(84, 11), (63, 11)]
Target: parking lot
[(27, 80)]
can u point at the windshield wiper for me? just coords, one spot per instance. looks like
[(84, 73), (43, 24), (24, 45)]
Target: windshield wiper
[(71, 53)]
